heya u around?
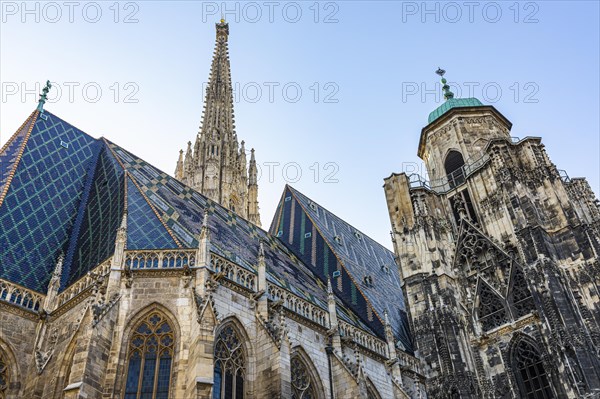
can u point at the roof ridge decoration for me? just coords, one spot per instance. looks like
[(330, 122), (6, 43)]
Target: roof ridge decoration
[(445, 88), (44, 96), (29, 123), (40, 204)]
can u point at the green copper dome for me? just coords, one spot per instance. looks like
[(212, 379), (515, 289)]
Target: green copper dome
[(453, 103)]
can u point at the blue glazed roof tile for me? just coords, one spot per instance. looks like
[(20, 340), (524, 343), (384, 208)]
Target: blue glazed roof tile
[(68, 195), (48, 177), (368, 274), (232, 237)]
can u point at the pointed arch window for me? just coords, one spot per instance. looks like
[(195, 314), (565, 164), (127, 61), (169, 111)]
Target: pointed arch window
[(3, 375), (303, 387), (491, 311), (520, 296), (532, 379), (230, 365), (454, 168), (150, 358)]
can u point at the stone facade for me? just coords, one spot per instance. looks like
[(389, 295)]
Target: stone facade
[(499, 260), (216, 165), (130, 284), (80, 348), (127, 283)]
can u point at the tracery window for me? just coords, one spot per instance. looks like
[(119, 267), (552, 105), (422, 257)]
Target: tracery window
[(529, 371), (230, 365), (521, 298), (491, 311), (3, 375), (150, 358), (302, 385), (462, 200)]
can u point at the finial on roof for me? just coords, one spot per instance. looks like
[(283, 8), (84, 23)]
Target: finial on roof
[(261, 249), (329, 288), (205, 229), (205, 218), (44, 96), (447, 93), (386, 317), (124, 220), (59, 264)]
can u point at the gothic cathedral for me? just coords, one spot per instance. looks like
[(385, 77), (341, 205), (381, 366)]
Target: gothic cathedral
[(120, 281), (216, 167), (498, 254)]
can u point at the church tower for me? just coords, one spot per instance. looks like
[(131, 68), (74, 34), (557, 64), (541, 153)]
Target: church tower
[(498, 253), (216, 163)]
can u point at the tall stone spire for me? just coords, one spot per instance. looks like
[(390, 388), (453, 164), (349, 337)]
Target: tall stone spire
[(179, 167), (253, 213), (216, 165)]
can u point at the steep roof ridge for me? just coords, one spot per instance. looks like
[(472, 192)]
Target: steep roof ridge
[(160, 219), (347, 314), (75, 230), (377, 304), (340, 261), (334, 216), (137, 186), (31, 120)]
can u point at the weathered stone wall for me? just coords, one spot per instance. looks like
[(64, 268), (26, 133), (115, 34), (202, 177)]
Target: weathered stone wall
[(17, 340), (525, 212), (86, 341)]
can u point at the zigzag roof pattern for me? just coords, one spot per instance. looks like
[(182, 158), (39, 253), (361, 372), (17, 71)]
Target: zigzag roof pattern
[(65, 192)]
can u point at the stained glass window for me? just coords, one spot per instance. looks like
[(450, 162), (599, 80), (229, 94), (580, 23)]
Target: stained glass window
[(302, 385), (150, 357), (3, 376), (529, 372), (230, 365)]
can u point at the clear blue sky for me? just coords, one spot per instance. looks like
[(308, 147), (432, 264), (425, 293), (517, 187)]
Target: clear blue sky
[(376, 59)]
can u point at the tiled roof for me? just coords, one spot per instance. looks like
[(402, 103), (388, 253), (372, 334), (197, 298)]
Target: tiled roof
[(368, 279), (181, 210), (42, 202), (68, 194), (453, 103)]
